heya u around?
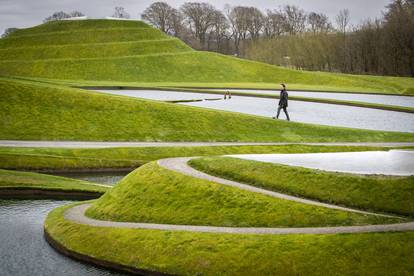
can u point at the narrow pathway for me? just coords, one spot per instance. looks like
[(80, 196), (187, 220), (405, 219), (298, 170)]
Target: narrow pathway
[(97, 144), (77, 213), (180, 165)]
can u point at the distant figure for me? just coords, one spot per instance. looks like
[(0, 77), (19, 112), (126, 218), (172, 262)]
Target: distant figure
[(283, 102), (227, 95)]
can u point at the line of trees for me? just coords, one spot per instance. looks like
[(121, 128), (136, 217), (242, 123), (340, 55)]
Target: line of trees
[(289, 36)]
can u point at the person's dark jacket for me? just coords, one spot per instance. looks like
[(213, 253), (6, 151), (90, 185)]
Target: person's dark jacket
[(283, 102)]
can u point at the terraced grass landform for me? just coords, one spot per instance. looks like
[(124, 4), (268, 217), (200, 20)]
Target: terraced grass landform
[(133, 52), (17, 184), (379, 193), (28, 111)]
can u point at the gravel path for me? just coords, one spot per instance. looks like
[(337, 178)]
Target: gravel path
[(77, 213), (89, 144)]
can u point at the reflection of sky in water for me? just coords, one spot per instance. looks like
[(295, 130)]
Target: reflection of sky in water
[(305, 112), (107, 178), (392, 162), (379, 99), (162, 95), (317, 113), (23, 248)]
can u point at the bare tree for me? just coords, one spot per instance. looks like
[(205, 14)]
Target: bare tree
[(76, 14), (274, 24), (57, 16), (295, 19), (120, 12), (238, 18), (255, 22), (342, 20), (319, 23), (159, 14), (8, 31), (219, 29), (176, 23), (200, 17)]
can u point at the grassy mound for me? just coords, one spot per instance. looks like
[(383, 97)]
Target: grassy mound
[(383, 194), (156, 195), (45, 112), (72, 159), (36, 181), (186, 253), (59, 45)]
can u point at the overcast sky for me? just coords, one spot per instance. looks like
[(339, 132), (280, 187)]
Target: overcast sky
[(26, 13)]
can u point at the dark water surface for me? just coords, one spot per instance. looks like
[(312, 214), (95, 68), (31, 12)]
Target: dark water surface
[(23, 249), (107, 178)]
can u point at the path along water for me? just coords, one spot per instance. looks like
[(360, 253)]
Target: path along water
[(305, 112)]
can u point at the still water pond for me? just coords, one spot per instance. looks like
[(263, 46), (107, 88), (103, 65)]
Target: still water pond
[(394, 162), (366, 98), (24, 251), (305, 112)]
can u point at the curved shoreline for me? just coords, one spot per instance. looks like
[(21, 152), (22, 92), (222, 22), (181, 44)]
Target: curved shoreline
[(32, 193), (77, 215), (95, 261)]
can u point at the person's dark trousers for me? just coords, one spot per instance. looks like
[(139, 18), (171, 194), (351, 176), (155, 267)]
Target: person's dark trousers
[(284, 110)]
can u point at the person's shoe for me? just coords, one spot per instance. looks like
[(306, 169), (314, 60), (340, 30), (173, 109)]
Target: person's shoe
[(273, 118)]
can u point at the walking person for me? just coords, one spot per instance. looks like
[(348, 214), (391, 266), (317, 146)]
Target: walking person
[(283, 102)]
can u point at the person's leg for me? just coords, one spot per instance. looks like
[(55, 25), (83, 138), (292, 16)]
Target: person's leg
[(278, 112), (287, 114)]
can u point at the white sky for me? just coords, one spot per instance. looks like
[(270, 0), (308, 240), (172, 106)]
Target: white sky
[(27, 13)]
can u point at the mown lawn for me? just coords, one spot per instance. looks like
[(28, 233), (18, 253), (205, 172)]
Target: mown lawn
[(37, 181), (37, 111), (156, 195), (76, 61), (378, 193), (187, 253), (69, 159)]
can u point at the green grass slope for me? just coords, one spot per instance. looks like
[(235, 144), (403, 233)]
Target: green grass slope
[(186, 253), (69, 50), (114, 158), (378, 193), (35, 111), (156, 195), (16, 180)]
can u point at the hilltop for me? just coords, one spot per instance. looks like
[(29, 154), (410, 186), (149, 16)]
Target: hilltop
[(133, 52)]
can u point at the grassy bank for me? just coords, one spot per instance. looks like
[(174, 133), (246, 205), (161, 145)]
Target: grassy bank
[(115, 158), (378, 193), (156, 195), (187, 253), (64, 50), (28, 111), (15, 180)]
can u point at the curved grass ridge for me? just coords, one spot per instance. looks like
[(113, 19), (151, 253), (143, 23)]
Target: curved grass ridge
[(27, 185), (374, 193), (198, 67), (153, 194), (187, 253), (94, 50), (63, 25), (28, 111), (83, 36)]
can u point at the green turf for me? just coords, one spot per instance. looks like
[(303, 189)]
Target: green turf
[(187, 253), (56, 26), (156, 195), (37, 181), (135, 66), (35, 111), (70, 159), (95, 50), (378, 193)]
